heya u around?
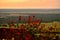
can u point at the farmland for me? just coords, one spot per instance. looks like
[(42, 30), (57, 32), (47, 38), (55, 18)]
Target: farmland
[(33, 25)]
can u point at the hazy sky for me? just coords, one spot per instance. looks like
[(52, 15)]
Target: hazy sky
[(29, 3)]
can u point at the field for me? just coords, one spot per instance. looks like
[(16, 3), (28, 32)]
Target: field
[(55, 28), (47, 24)]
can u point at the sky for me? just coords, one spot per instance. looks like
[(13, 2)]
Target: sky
[(29, 4)]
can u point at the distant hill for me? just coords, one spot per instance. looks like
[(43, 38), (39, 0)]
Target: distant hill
[(46, 15), (43, 17), (30, 11)]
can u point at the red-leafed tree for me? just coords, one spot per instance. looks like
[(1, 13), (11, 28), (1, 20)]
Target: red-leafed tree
[(19, 17), (21, 28), (50, 28), (11, 30), (29, 19), (11, 23), (35, 22), (4, 30), (28, 37), (33, 16), (18, 33)]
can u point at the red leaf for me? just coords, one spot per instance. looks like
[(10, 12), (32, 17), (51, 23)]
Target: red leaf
[(29, 19), (19, 17), (11, 30), (4, 30), (28, 37), (35, 22), (18, 33)]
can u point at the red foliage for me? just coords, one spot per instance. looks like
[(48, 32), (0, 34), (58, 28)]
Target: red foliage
[(50, 28), (18, 33), (28, 36), (33, 16), (29, 19), (35, 22), (11, 29), (11, 21), (22, 28), (19, 17), (4, 30)]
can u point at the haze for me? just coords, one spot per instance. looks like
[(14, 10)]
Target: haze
[(30, 4)]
